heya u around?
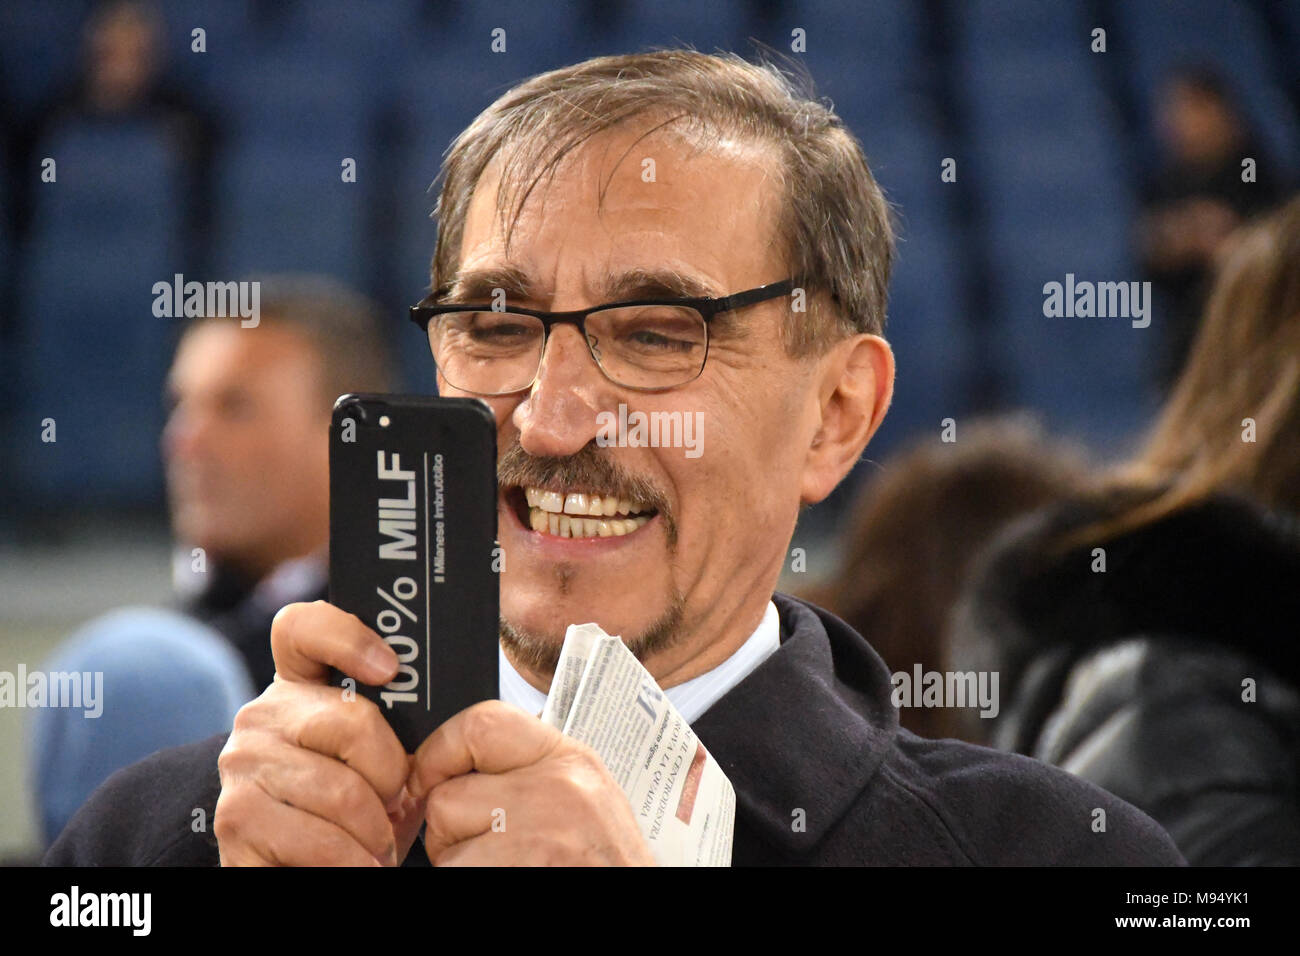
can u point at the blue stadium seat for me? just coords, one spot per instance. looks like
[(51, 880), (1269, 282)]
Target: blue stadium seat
[(929, 327), (297, 93), (906, 160), (413, 201), (871, 28), (440, 91), (994, 28), (538, 36), (228, 33), (866, 58), (1086, 374), (40, 46), (930, 332), (412, 241), (642, 24), (285, 207), (1054, 195), (1288, 14), (296, 107), (343, 23), (93, 355)]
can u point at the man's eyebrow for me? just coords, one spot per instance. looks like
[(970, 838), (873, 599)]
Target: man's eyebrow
[(475, 285), (657, 284), (672, 284)]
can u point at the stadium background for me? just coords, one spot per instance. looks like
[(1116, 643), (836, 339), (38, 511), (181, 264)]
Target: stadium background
[(1051, 142)]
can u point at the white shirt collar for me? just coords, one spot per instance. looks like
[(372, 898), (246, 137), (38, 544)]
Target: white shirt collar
[(692, 698), (290, 580)]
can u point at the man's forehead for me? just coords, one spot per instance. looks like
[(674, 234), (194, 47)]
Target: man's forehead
[(634, 154), (220, 348), (637, 217)]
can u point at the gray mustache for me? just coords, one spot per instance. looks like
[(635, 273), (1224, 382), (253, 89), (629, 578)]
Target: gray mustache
[(588, 468)]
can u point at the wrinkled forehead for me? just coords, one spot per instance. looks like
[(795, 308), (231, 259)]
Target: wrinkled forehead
[(631, 150), (634, 195)]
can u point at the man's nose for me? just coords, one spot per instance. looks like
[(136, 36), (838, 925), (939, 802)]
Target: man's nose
[(185, 434), (558, 418)]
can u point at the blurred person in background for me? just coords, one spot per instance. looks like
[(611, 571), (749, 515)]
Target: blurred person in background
[(915, 531), (1145, 634), (247, 452), (122, 80), (1196, 199)]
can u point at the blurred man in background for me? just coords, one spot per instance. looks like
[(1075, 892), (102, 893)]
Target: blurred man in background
[(247, 451)]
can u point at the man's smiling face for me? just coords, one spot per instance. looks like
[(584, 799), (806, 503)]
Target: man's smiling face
[(689, 584)]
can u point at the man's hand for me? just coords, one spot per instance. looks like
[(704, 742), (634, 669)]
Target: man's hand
[(504, 788), (309, 778)]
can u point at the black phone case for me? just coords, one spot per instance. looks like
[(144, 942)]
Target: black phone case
[(413, 525)]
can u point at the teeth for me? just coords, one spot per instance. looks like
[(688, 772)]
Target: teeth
[(580, 503), (573, 526)]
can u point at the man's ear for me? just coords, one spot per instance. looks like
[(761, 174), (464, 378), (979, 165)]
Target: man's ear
[(854, 391)]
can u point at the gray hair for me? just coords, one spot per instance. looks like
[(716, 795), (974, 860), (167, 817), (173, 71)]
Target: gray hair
[(835, 223)]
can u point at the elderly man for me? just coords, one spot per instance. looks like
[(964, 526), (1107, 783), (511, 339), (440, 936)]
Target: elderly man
[(746, 215)]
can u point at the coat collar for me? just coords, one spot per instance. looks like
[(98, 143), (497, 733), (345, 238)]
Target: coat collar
[(807, 729), (1223, 570)]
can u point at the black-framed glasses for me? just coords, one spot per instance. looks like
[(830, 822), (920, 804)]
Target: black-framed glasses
[(645, 344)]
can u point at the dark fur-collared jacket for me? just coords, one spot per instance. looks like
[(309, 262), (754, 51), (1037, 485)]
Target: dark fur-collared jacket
[(1169, 678)]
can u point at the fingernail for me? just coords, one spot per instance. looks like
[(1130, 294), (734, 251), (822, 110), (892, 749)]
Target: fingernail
[(380, 658)]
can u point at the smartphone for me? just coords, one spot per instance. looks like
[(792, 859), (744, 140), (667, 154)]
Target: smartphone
[(413, 549)]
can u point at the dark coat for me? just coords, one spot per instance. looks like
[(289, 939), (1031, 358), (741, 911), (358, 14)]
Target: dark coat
[(232, 605), (812, 729), (1135, 677)]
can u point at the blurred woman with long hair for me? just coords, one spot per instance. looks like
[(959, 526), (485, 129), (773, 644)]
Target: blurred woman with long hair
[(1146, 634)]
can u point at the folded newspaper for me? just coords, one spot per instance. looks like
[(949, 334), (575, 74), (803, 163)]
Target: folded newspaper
[(602, 696)]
